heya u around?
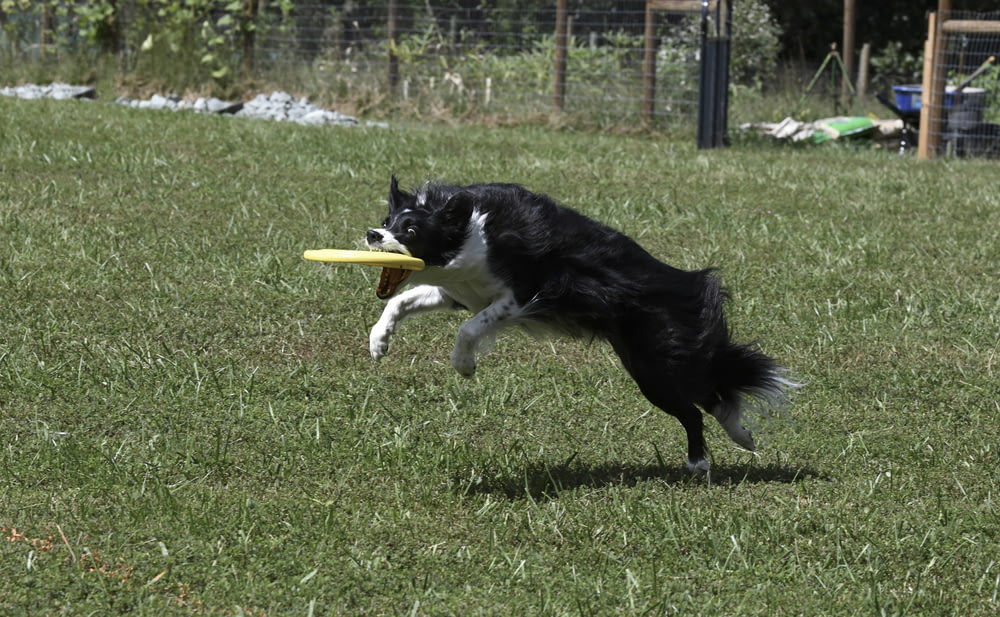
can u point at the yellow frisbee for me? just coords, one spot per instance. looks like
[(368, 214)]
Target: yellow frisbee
[(366, 258)]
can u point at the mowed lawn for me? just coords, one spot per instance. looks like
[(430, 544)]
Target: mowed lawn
[(192, 424)]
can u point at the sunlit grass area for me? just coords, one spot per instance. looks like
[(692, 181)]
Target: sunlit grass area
[(192, 424)]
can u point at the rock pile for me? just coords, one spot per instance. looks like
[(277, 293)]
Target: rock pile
[(281, 106), (51, 91), (277, 106), (176, 103)]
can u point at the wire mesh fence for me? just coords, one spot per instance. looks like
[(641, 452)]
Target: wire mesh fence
[(960, 94), (454, 59)]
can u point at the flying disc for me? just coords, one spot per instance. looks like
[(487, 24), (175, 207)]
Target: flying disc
[(366, 258)]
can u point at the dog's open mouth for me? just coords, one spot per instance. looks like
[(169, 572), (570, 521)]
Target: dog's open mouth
[(390, 281), (391, 278)]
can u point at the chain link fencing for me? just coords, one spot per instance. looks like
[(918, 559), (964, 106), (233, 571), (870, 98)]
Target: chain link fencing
[(961, 86), (622, 65)]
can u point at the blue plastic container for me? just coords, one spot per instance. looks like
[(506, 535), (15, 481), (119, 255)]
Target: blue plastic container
[(908, 98)]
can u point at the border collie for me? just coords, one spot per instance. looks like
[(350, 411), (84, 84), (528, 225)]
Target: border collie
[(513, 257)]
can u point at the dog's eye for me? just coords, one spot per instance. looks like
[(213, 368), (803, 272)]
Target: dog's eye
[(411, 231), (385, 223)]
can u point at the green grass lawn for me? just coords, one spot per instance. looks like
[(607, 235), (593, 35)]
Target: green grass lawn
[(192, 424)]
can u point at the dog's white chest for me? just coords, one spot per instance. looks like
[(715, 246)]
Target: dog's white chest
[(475, 288), (467, 277), (475, 295)]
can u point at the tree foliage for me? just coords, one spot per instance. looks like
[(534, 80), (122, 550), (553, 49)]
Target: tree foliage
[(808, 28)]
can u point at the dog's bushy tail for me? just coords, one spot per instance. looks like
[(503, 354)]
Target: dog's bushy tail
[(740, 369), (737, 369)]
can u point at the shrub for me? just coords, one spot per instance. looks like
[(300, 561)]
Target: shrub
[(894, 66)]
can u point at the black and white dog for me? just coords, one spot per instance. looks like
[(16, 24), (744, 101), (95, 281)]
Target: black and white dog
[(513, 257)]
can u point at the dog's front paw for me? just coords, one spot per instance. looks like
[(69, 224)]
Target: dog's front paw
[(378, 342), (464, 363)]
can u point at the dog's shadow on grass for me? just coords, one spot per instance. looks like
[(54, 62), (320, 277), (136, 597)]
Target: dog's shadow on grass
[(540, 481)]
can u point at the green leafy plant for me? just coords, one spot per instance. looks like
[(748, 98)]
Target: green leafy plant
[(186, 32), (756, 43), (988, 80), (95, 22), (17, 30), (192, 41), (894, 66), (753, 51)]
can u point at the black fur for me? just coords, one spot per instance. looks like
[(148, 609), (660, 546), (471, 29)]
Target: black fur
[(578, 276)]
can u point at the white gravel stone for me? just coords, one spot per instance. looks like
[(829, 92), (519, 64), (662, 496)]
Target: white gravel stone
[(278, 106)]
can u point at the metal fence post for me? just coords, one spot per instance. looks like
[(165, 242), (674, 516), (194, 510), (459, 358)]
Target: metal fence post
[(559, 70), (649, 64), (713, 86), (393, 60)]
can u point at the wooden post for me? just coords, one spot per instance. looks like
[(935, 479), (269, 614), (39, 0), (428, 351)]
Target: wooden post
[(930, 103), (47, 34), (3, 25), (559, 70), (847, 50), (453, 35), (932, 90), (862, 84), (249, 34), (649, 65), (969, 26), (393, 61)]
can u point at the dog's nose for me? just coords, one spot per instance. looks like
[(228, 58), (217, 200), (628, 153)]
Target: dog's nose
[(373, 236)]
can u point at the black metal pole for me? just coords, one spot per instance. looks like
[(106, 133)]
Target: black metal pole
[(713, 86)]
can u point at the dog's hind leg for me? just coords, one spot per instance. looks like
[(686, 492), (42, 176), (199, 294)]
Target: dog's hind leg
[(659, 392), (480, 329), (690, 417), (421, 299), (657, 383), (730, 416)]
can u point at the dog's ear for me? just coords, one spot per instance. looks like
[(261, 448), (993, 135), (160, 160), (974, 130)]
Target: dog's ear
[(458, 209), (397, 197)]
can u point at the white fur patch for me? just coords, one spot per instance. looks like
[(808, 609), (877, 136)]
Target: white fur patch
[(465, 280), (475, 251), (467, 277), (422, 299), (700, 467), (388, 243)]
